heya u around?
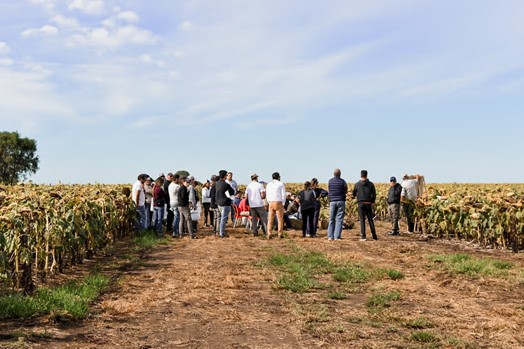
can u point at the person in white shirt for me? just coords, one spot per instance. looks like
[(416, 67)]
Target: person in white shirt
[(276, 197), (255, 194), (206, 202), (139, 198), (234, 185), (408, 198), (173, 202)]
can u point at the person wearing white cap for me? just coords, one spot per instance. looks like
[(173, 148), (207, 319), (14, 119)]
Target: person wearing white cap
[(255, 194)]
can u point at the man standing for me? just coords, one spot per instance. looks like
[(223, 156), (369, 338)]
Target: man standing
[(214, 207), (255, 195), (173, 200), (184, 208), (224, 194), (276, 196), (234, 185), (366, 194), (337, 192), (409, 197), (394, 192), (139, 199), (170, 215)]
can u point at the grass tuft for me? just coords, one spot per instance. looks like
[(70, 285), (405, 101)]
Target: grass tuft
[(71, 300), (419, 323), (461, 263), (378, 301), (336, 295), (424, 337)]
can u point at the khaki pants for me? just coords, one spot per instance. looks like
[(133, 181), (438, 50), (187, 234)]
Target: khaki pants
[(275, 207)]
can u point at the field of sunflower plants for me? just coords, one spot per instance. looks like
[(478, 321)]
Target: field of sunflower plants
[(44, 229), (489, 214)]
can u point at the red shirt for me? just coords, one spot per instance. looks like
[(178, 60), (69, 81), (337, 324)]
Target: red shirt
[(242, 206)]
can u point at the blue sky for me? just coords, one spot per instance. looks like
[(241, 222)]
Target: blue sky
[(111, 88)]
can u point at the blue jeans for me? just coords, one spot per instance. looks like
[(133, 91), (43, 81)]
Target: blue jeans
[(224, 211), (176, 221), (337, 211), (141, 219), (148, 221), (158, 214)]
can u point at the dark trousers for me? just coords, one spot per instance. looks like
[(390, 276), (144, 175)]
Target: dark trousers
[(366, 211), (409, 210), (307, 221), (207, 213), (169, 220), (316, 217)]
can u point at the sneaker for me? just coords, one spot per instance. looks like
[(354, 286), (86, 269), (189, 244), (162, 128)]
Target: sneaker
[(375, 238), (394, 233), (363, 239), (330, 239), (308, 235)]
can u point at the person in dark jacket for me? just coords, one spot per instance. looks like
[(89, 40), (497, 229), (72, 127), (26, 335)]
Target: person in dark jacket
[(214, 206), (319, 194), (338, 189), (394, 192), (184, 208), (170, 214), (307, 209), (223, 195), (366, 195)]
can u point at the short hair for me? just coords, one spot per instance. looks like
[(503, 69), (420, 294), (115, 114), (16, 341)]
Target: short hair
[(337, 172), (314, 181), (176, 176), (222, 174), (307, 185), (364, 174), (275, 175)]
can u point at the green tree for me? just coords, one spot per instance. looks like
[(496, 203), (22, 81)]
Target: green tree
[(17, 157), (182, 173)]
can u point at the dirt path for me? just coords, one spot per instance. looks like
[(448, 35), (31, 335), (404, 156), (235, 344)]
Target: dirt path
[(213, 293)]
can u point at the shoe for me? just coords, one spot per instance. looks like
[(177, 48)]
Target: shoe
[(193, 237), (394, 233), (308, 235), (363, 239), (375, 238), (281, 236), (330, 239)]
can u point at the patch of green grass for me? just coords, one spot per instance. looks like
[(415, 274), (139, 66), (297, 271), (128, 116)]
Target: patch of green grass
[(419, 323), (148, 239), (391, 273), (378, 301), (299, 281), (462, 263), (336, 295), (70, 300), (351, 273), (424, 337)]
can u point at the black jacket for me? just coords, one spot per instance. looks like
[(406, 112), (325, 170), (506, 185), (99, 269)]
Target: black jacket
[(183, 196), (220, 195), (364, 191), (394, 194)]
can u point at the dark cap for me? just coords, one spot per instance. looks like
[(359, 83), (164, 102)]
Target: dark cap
[(275, 175), (392, 179)]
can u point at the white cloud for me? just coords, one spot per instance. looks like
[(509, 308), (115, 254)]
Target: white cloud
[(111, 38), (128, 16), (6, 61), (148, 59), (47, 4), (46, 30), (65, 22), (92, 7), (185, 26), (4, 48)]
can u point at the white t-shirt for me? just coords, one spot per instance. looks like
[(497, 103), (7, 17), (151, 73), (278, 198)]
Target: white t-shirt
[(206, 198), (409, 189), (233, 185), (275, 191), (138, 189), (173, 193), (254, 191)]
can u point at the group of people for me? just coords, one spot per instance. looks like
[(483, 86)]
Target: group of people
[(268, 206)]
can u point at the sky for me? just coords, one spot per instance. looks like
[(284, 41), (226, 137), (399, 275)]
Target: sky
[(110, 89)]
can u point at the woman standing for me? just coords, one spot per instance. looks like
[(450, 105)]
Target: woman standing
[(148, 190), (319, 193), (158, 205), (206, 202), (307, 209)]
